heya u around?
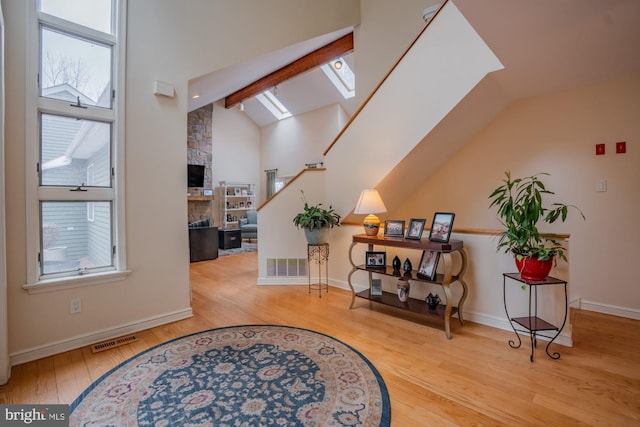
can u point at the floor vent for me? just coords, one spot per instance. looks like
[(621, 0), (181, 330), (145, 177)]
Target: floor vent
[(286, 267), (117, 342)]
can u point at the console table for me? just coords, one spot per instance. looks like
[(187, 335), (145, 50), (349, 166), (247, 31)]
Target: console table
[(532, 324), (446, 250)]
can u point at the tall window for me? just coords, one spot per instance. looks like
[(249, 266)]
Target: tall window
[(78, 139)]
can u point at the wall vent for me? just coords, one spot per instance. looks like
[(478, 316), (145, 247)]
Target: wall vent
[(117, 342), (287, 267)]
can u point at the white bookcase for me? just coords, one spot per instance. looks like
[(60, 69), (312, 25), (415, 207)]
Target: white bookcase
[(235, 198)]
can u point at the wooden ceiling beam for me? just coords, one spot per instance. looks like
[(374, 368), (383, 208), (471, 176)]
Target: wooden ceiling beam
[(314, 59)]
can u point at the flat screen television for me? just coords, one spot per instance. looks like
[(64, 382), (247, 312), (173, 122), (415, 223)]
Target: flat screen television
[(195, 176)]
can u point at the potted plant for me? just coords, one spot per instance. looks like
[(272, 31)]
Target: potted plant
[(520, 209), (316, 222)]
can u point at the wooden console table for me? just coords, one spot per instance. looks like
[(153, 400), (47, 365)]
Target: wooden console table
[(443, 311)]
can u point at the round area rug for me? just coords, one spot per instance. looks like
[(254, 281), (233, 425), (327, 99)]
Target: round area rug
[(255, 375)]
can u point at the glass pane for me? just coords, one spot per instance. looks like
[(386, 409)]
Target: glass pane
[(75, 69), (75, 152), (70, 241), (94, 14)]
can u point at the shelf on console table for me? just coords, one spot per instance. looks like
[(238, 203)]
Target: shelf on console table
[(443, 311)]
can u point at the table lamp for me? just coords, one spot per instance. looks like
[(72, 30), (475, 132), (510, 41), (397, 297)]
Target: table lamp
[(370, 203)]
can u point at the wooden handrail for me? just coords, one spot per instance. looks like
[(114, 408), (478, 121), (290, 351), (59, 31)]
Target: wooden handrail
[(289, 183), (384, 78)]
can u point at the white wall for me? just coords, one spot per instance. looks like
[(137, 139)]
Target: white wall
[(291, 143), (557, 133), (167, 41), (386, 30), (236, 151)]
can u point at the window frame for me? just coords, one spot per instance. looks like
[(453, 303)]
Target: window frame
[(37, 105)]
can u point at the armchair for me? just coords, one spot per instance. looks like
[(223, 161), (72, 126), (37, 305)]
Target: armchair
[(249, 226)]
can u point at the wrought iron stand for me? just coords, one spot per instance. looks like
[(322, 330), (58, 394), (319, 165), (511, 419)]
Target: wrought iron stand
[(532, 324), (319, 254)]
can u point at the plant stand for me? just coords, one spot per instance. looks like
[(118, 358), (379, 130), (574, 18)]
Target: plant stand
[(319, 254), (532, 324)]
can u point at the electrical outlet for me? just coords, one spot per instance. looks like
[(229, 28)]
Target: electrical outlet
[(75, 306)]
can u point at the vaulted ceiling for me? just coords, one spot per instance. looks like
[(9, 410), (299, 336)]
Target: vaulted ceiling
[(301, 85)]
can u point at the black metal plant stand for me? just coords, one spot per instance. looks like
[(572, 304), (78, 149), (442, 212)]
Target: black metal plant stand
[(532, 324), (319, 254)]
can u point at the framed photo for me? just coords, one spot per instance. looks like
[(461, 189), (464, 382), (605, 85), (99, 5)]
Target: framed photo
[(236, 191), (428, 265), (207, 192), (376, 287), (241, 205), (376, 259), (394, 228), (441, 226), (416, 227)]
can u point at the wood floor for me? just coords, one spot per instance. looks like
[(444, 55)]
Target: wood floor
[(473, 379)]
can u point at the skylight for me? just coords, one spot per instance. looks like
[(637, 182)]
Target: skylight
[(273, 104), (340, 74)]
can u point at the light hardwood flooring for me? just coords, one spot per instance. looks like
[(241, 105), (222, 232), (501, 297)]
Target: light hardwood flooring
[(473, 379)]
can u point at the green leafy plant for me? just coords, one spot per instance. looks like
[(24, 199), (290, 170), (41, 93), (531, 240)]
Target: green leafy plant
[(521, 209), (316, 217)]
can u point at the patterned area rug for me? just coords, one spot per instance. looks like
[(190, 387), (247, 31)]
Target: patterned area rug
[(255, 375), (246, 247)]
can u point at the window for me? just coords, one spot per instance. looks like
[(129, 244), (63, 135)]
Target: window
[(340, 74), (74, 232)]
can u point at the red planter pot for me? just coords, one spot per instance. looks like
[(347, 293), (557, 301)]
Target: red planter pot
[(532, 268)]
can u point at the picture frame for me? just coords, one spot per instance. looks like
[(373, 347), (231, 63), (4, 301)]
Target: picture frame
[(236, 191), (394, 228), (376, 287), (415, 229), (375, 259), (441, 226), (241, 205), (207, 192), (428, 265)]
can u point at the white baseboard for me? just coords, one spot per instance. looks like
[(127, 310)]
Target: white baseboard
[(565, 337), (72, 343), (614, 310), (283, 281)]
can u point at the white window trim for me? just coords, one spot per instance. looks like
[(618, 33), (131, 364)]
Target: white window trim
[(34, 283)]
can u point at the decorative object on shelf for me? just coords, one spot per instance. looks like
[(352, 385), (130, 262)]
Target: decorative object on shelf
[(415, 229), (403, 289), (396, 264), (376, 259), (428, 265), (520, 209), (441, 226), (376, 287), (207, 192), (432, 301), (316, 222), (394, 228), (407, 266), (370, 203)]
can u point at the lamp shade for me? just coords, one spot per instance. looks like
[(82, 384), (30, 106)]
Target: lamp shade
[(370, 202)]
